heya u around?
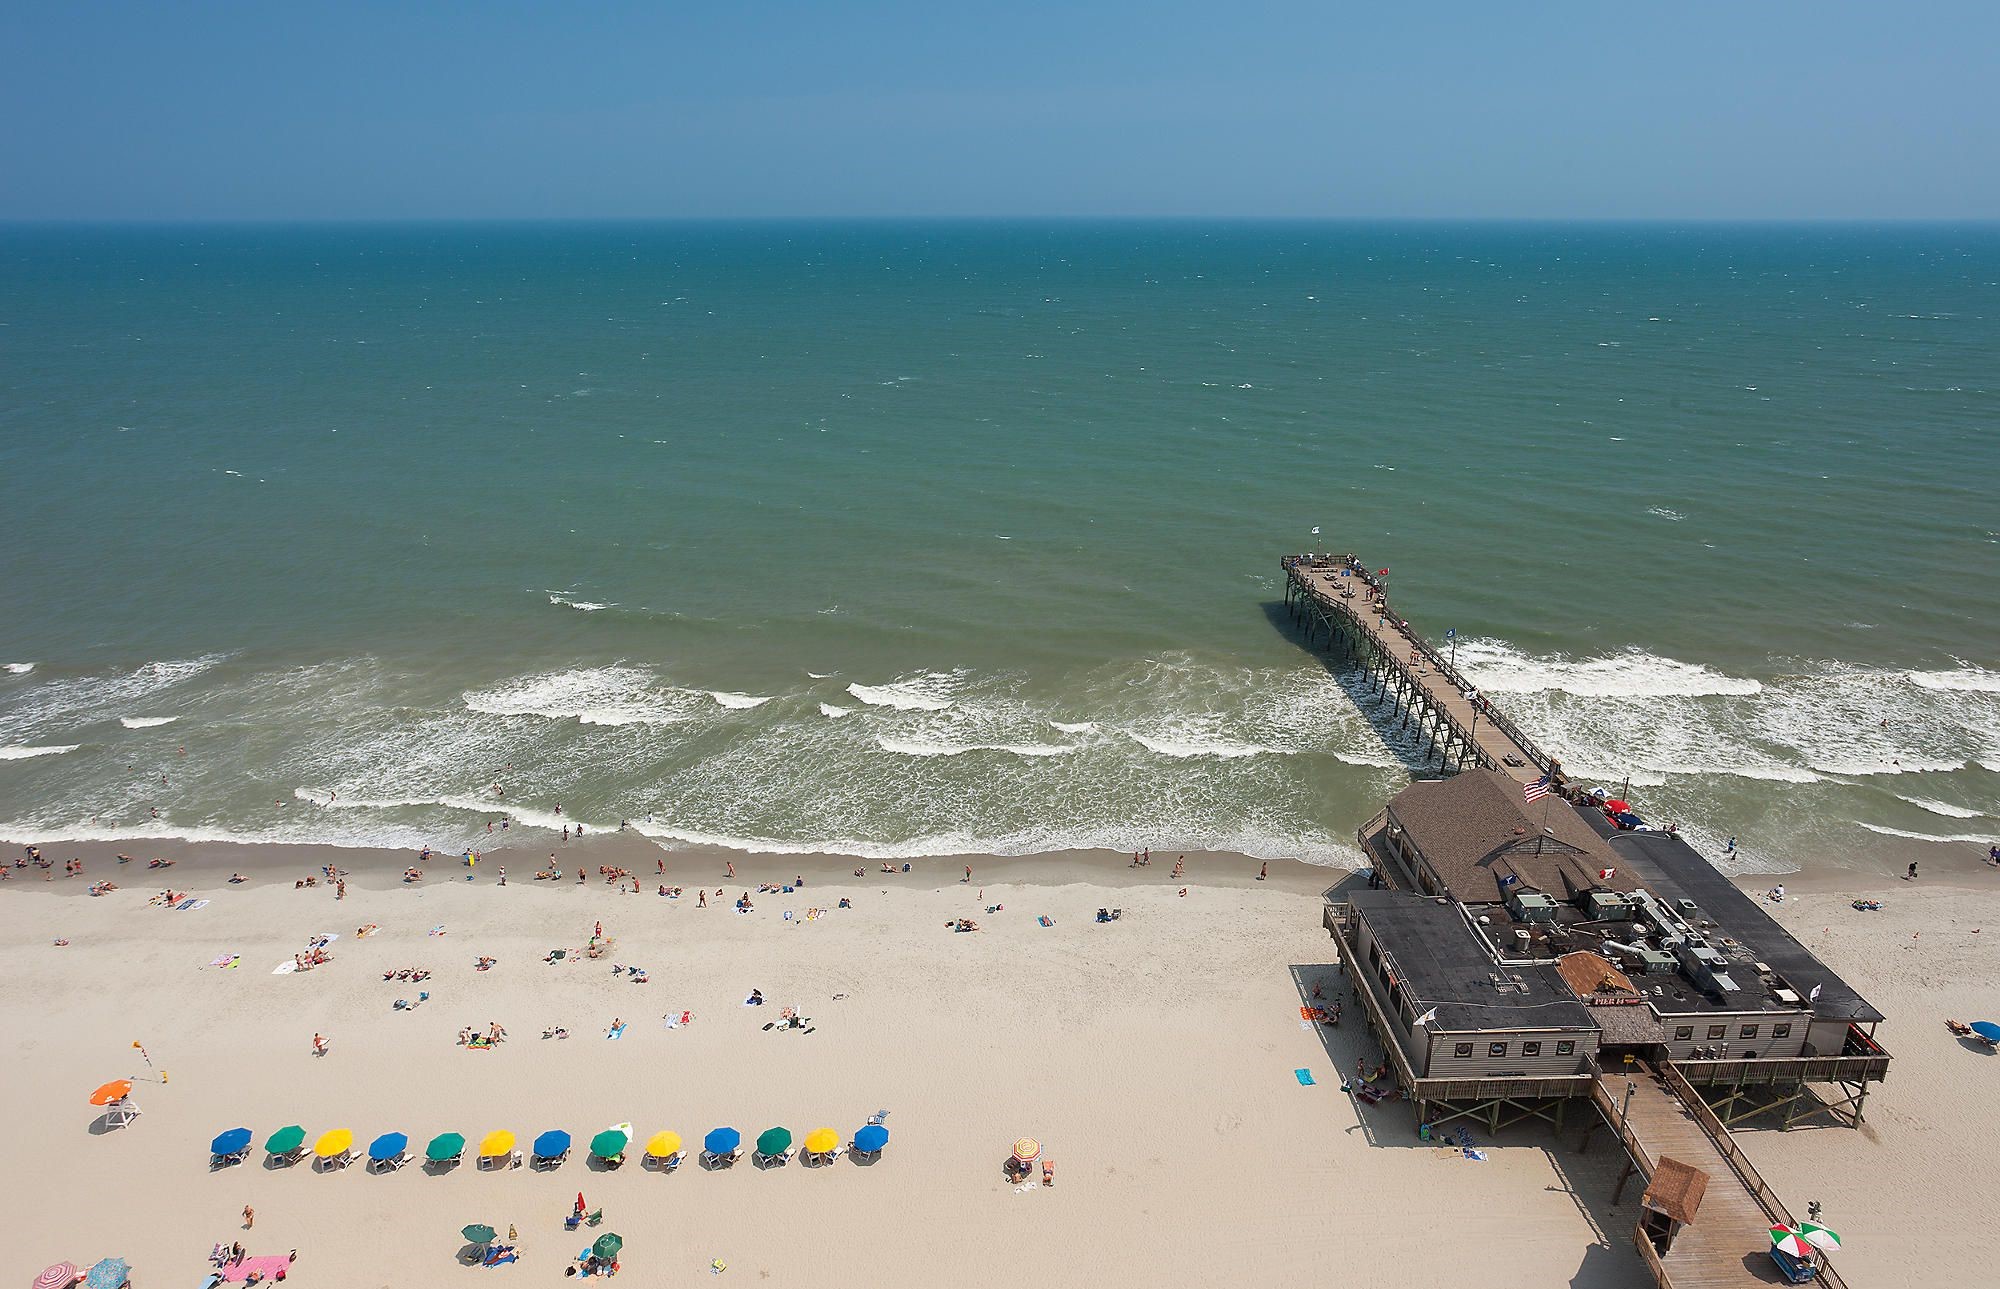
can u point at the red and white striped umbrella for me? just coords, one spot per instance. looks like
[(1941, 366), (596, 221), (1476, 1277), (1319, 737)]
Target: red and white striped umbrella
[(1788, 1241), (60, 1276)]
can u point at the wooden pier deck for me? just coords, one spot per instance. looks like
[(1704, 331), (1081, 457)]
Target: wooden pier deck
[(1728, 1244), (1344, 597)]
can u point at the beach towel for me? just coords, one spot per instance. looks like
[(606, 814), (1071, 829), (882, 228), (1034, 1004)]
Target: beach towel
[(226, 960), (677, 1019), (717, 1267), (188, 906), (1477, 1156), (438, 929), (1046, 920), (616, 1033), (284, 968), (1304, 1076), (270, 1265)]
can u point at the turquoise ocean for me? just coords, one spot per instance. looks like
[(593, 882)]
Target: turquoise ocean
[(900, 539)]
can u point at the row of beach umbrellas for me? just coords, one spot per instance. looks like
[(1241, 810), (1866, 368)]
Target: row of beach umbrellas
[(608, 1144), (1805, 1239)]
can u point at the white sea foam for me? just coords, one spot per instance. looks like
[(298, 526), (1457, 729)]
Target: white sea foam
[(1183, 749), (145, 722), (926, 693), (589, 696), (1941, 838), (1665, 513), (24, 753), (1976, 680), (1077, 727), (584, 606), (20, 668), (1498, 668), (1944, 808), (917, 747), (737, 702), (834, 713)]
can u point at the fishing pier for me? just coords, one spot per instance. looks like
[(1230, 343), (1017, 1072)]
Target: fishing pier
[(1342, 606), (1519, 953)]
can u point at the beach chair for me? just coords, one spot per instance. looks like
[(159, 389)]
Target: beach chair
[(120, 1113), (720, 1159)]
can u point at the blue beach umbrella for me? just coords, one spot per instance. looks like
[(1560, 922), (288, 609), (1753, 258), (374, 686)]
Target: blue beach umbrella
[(390, 1145), (229, 1143), (721, 1141), (551, 1143), (871, 1139), (110, 1273), (1987, 1030)]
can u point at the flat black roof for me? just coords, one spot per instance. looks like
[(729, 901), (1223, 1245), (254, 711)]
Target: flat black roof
[(1441, 963), (1675, 870)]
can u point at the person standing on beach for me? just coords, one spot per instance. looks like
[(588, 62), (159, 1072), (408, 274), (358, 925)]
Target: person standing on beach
[(249, 1217), (503, 874), (1911, 876), (729, 868), (1180, 866), (1264, 871)]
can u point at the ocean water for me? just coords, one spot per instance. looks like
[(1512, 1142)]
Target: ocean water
[(905, 538)]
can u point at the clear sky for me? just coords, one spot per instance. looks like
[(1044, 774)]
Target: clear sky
[(1756, 109)]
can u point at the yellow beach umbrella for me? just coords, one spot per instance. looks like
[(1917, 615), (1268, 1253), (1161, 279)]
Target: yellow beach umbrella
[(337, 1142), (820, 1140), (664, 1145), (496, 1143), (1026, 1149)]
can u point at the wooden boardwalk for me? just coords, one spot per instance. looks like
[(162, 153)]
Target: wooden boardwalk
[(1728, 1244), (1349, 592)]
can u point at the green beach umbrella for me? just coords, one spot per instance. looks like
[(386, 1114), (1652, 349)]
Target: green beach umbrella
[(478, 1233), (1820, 1237), (446, 1145), (775, 1141), (609, 1144), (285, 1140), (607, 1246)]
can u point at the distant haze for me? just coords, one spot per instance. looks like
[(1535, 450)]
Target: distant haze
[(143, 111)]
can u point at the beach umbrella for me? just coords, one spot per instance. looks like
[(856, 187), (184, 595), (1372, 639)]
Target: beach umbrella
[(551, 1143), (871, 1138), (1618, 807), (478, 1233), (774, 1141), (822, 1140), (285, 1140), (1987, 1030), (446, 1145), (1027, 1149), (110, 1273), (1820, 1237), (1788, 1241), (337, 1142), (664, 1145), (607, 1245), (230, 1142), (61, 1275), (390, 1145), (610, 1143), (496, 1143), (116, 1090), (721, 1141)]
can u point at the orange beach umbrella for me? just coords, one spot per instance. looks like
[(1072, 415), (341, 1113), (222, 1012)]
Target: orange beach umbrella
[(1026, 1149), (116, 1090)]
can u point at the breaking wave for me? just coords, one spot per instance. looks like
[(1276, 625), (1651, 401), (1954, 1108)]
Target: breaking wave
[(25, 753)]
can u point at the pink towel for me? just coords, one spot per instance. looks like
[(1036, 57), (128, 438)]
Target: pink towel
[(270, 1265)]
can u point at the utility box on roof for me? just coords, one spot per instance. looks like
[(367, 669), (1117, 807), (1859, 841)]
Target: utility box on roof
[(1531, 906)]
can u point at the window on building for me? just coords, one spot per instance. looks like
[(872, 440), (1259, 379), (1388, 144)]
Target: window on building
[(1461, 1049), (1496, 1049), (1531, 1049), (1566, 1047), (1718, 1031), (1682, 1033), (1783, 1029), (1748, 1031)]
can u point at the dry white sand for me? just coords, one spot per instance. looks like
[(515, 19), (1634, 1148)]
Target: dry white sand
[(1153, 1056)]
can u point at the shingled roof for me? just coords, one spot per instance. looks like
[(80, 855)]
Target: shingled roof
[(1590, 975), (1676, 1189), (1475, 828)]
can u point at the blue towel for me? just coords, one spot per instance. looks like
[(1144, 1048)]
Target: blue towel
[(617, 1033), (1304, 1076)]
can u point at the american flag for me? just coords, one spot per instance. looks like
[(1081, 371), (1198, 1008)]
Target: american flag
[(1537, 790)]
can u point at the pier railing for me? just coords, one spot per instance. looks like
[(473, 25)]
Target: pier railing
[(1492, 715)]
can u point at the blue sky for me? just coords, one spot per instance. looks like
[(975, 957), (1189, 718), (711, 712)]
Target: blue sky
[(1758, 110)]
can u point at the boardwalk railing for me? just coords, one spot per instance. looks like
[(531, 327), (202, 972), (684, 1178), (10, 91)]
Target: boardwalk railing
[(1746, 1172)]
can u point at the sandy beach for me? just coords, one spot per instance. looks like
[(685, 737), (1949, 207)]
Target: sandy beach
[(1154, 1057)]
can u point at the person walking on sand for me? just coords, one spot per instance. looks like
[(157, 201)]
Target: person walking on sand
[(729, 868), (1264, 871), (701, 901), (1180, 866), (968, 874), (503, 874), (1911, 876), (249, 1217)]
